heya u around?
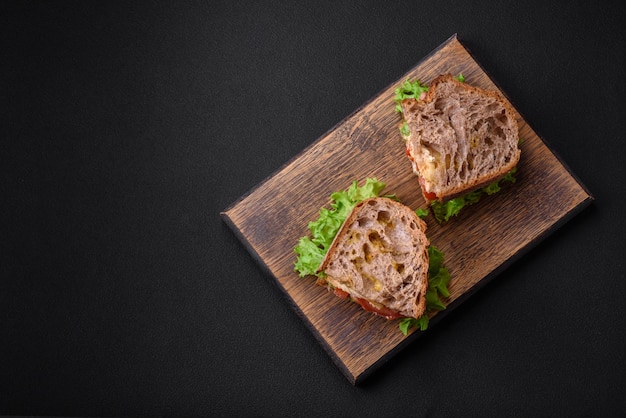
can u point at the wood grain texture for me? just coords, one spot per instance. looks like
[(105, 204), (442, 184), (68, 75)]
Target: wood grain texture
[(478, 244)]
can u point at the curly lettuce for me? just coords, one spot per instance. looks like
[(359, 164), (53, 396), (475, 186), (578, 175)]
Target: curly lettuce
[(438, 279), (311, 250), (408, 90)]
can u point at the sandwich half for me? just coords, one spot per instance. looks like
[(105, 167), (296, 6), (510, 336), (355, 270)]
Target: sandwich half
[(373, 250), (459, 138), (379, 259)]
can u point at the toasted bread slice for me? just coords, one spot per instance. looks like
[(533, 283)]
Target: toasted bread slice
[(460, 138), (379, 257)]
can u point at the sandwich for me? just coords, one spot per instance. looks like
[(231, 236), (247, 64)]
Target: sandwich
[(373, 250), (462, 141)]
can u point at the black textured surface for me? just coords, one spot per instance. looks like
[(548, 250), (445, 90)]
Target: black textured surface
[(126, 127)]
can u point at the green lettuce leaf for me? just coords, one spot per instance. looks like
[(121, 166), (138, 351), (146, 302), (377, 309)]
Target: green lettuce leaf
[(311, 250), (405, 131), (422, 212), (408, 90), (310, 256), (438, 279)]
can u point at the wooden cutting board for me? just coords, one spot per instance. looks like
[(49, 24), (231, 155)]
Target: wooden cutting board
[(478, 244)]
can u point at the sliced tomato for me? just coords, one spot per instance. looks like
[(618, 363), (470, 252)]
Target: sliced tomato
[(378, 310), (340, 293), (427, 195), (430, 196), (408, 154), (369, 306)]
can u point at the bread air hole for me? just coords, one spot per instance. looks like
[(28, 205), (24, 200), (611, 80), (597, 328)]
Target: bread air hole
[(367, 253), (492, 107), (474, 140), (358, 262), (374, 238), (375, 244), (362, 222), (463, 170), (383, 217), (470, 161), (354, 237), (501, 117), (439, 103), (495, 129)]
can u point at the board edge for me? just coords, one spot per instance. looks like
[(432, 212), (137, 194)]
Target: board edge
[(521, 115), (349, 375), (336, 126), (358, 378), (441, 315)]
